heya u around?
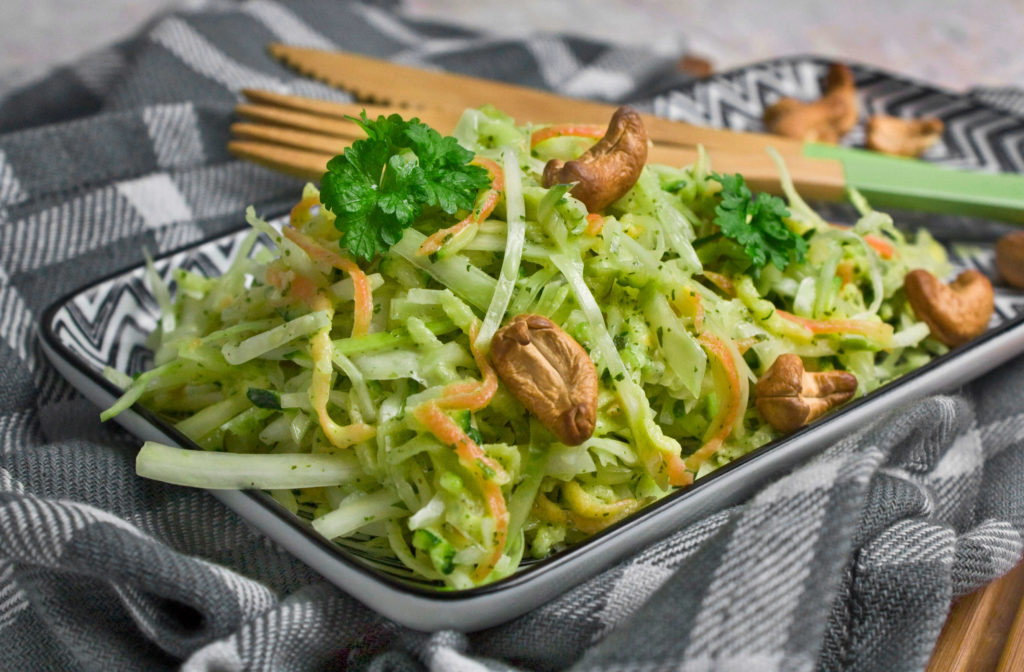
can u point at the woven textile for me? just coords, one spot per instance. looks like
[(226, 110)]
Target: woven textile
[(849, 563)]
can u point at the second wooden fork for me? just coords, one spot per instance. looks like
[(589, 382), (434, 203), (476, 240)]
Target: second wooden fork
[(298, 136)]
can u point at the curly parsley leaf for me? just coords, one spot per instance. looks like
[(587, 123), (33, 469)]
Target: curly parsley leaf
[(379, 186), (757, 224)]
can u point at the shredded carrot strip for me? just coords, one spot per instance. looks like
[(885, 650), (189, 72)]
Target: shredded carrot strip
[(277, 276), (677, 473), (595, 222), (878, 330), (482, 211), (745, 344), (720, 281), (340, 436), (300, 214), (303, 289), (295, 285), (575, 130), (698, 316), (729, 408), (884, 248), (362, 293), (472, 396), (476, 461), (449, 433)]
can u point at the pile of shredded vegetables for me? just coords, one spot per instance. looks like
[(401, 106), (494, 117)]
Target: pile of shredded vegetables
[(360, 395)]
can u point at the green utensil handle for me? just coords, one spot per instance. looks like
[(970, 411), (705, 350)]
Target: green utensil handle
[(911, 184)]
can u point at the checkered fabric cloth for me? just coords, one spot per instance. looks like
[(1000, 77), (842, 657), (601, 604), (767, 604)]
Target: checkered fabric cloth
[(849, 563)]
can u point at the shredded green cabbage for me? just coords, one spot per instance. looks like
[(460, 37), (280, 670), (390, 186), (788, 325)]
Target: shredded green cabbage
[(267, 368)]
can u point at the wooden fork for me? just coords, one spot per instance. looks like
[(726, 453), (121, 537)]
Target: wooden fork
[(298, 136)]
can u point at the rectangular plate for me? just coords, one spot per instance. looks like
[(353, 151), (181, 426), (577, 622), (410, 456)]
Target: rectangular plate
[(106, 324)]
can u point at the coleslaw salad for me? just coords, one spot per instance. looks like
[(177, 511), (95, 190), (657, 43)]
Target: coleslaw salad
[(361, 397)]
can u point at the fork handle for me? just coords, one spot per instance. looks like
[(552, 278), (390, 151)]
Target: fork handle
[(912, 184)]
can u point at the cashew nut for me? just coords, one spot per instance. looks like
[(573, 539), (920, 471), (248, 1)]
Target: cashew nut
[(789, 397), (827, 119), (694, 65), (902, 137), (956, 312), (550, 373), (606, 171), (1010, 258)]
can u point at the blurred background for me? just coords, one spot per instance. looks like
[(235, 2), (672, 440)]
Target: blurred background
[(944, 42)]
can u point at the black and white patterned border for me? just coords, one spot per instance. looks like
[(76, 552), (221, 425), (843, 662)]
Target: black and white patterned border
[(977, 136), (108, 323)]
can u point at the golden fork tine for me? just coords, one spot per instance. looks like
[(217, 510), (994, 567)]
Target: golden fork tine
[(327, 108), (299, 163), (290, 137), (442, 120), (301, 120)]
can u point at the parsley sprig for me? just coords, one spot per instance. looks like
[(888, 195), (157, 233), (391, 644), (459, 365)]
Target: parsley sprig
[(757, 224), (379, 186)]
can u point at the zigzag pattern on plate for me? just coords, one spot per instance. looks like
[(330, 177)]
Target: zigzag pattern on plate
[(107, 324), (977, 136)]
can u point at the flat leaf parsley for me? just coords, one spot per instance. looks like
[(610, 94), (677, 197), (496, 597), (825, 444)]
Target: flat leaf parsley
[(757, 224), (379, 186)]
